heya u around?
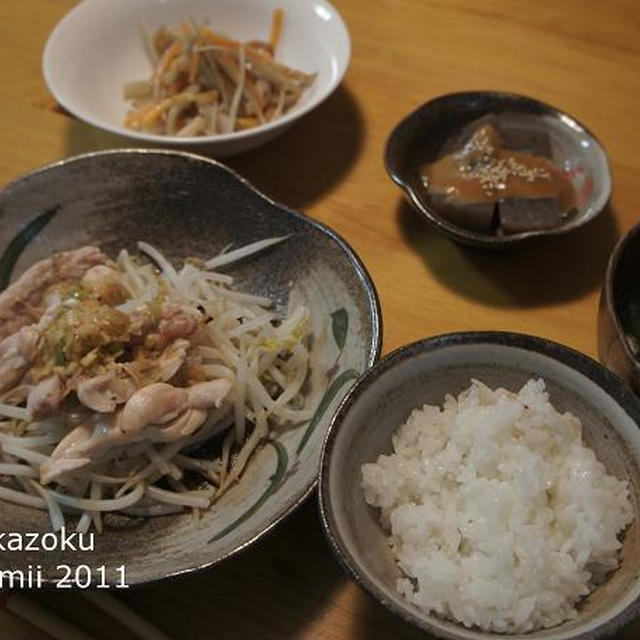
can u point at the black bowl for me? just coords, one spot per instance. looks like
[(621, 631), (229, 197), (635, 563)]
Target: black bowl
[(619, 312)]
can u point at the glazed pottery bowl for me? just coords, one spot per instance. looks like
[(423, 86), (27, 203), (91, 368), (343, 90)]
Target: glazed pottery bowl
[(619, 311), (314, 40), (186, 205), (423, 373), (426, 134)]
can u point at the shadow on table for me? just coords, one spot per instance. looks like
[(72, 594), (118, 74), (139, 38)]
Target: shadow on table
[(296, 168), (274, 590), (544, 271), (312, 157), (373, 622)]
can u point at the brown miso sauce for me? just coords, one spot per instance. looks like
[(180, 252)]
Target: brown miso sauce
[(483, 171)]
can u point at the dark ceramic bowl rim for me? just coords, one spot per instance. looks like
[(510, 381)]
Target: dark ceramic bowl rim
[(590, 368), (373, 302), (472, 237), (609, 284)]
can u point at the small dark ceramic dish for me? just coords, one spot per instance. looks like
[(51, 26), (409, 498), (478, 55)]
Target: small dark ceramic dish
[(187, 205), (426, 134), (619, 310), (424, 372)]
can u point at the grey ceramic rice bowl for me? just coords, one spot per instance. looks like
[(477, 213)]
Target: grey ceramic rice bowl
[(423, 373), (187, 205)]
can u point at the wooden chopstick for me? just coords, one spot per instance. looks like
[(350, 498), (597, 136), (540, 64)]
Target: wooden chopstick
[(39, 616), (125, 615), (36, 614)]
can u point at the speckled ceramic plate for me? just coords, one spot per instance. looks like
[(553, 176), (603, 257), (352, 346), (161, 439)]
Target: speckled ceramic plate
[(424, 135), (187, 205)]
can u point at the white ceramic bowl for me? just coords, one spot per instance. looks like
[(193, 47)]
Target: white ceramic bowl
[(97, 47)]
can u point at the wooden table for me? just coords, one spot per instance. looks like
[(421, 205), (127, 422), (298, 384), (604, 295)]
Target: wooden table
[(581, 56)]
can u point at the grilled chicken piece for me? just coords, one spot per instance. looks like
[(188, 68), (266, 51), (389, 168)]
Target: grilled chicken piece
[(45, 397), (106, 283), (159, 412), (73, 451), (161, 368), (184, 425), (174, 323), (16, 355), (21, 303), (206, 395), (105, 392), (160, 403), (157, 404)]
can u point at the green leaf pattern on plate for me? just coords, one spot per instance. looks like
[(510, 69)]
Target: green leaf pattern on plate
[(339, 326), (327, 398), (274, 484), (20, 242)]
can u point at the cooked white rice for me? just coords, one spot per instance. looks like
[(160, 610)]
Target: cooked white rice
[(499, 516)]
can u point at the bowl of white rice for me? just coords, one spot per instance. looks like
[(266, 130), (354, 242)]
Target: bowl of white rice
[(484, 484)]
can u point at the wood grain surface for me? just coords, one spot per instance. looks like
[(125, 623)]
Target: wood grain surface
[(582, 56)]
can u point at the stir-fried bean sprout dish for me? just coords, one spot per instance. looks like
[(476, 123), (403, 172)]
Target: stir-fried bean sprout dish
[(204, 83), (136, 387)]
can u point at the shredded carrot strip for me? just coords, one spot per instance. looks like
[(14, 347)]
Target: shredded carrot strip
[(247, 123), (157, 110), (261, 55), (154, 113), (276, 28), (249, 86), (134, 119), (170, 53), (219, 41)]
